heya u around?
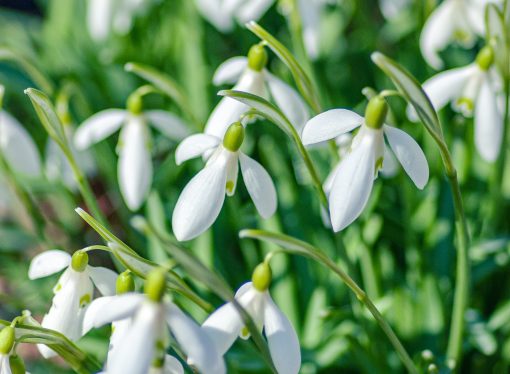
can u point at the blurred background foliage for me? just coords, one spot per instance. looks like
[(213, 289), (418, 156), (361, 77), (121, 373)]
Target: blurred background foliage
[(401, 250)]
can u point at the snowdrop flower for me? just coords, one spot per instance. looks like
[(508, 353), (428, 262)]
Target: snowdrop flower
[(252, 77), (226, 324), (73, 292), (453, 20), (104, 16), (201, 200), (145, 337), (134, 147), (471, 90), (354, 176)]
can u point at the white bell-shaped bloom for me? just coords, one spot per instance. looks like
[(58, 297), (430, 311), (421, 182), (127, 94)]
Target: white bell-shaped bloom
[(351, 184), (472, 91), (134, 147), (452, 20), (73, 292), (201, 200), (225, 325), (249, 75)]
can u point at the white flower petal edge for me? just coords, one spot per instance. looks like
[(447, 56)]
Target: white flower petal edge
[(223, 327), (352, 185), (135, 163), (200, 202), (93, 312), (409, 154), (329, 125), (172, 366), (98, 127), (116, 308), (282, 339), (104, 279), (168, 124), (47, 263), (99, 14), (488, 124), (259, 185), (194, 146), (230, 71), (252, 10), (214, 12)]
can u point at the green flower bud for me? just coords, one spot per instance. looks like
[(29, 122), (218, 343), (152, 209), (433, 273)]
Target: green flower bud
[(155, 284), (234, 137), (485, 58), (257, 57), (262, 276), (6, 340), (17, 365), (125, 283), (376, 111), (134, 103), (79, 261)]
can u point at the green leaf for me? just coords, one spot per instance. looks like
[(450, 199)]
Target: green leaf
[(303, 83)]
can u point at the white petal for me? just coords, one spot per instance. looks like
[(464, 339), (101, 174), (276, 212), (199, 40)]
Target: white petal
[(194, 342), (168, 124), (223, 327), (213, 11), (18, 147), (200, 202), (438, 32), (252, 10), (289, 101), (98, 127), (135, 354), (329, 125), (230, 71), (352, 186), (48, 262), (117, 308), (99, 13), (409, 154), (92, 312), (390, 165), (259, 184), (194, 146), (104, 279), (282, 340), (488, 124), (5, 366), (172, 366), (310, 12), (135, 164)]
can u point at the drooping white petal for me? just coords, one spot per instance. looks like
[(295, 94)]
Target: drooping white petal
[(194, 146), (135, 164), (223, 327), (409, 154), (329, 125), (289, 101), (352, 185), (18, 148), (171, 366), (216, 14), (252, 10), (119, 331), (230, 71), (282, 339), (194, 341), (259, 184), (200, 202), (136, 352), (104, 279), (5, 366), (117, 308), (92, 312), (47, 263), (168, 124), (438, 32), (99, 14), (310, 11), (98, 127), (390, 164), (488, 123)]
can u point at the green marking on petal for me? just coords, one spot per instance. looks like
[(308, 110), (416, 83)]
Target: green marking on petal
[(379, 163), (230, 186), (245, 333), (85, 300)]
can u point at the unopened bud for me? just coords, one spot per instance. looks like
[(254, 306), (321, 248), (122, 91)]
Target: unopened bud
[(234, 137), (155, 284), (125, 283), (485, 58), (262, 276), (6, 340), (17, 365), (79, 261), (257, 57)]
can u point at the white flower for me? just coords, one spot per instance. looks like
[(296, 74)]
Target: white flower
[(459, 20), (201, 200), (391, 9), (5, 366), (73, 292), (148, 321), (252, 77), (353, 178), (134, 147), (472, 92), (225, 325)]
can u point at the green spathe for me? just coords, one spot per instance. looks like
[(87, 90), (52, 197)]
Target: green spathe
[(234, 137), (6, 340), (79, 261), (262, 276), (125, 283), (376, 111), (155, 284), (257, 57)]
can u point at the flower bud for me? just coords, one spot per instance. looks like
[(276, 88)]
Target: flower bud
[(234, 137), (134, 103), (125, 283), (257, 57), (262, 276), (6, 340), (485, 58), (155, 284), (17, 365), (376, 111), (79, 261)]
